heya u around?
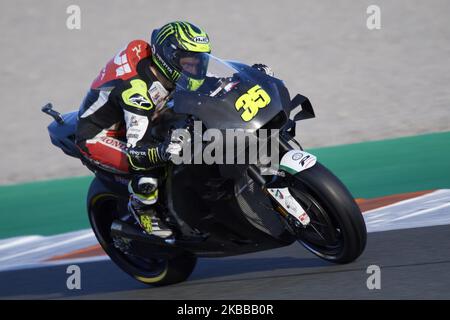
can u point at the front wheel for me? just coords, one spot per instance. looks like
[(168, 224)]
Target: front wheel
[(337, 231)]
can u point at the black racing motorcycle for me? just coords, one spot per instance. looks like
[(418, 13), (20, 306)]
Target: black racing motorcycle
[(219, 210)]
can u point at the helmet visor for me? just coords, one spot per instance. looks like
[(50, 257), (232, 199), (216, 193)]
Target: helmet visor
[(193, 67), (193, 64)]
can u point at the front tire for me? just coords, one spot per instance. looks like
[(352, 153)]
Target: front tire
[(102, 206), (337, 232)]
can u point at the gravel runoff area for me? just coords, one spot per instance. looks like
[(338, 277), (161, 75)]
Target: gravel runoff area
[(364, 84)]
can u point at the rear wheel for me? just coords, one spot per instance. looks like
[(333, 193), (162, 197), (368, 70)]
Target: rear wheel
[(337, 231), (102, 211)]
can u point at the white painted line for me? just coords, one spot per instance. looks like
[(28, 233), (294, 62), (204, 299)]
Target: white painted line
[(47, 247), (417, 213), (13, 242), (403, 202), (424, 211), (46, 264)]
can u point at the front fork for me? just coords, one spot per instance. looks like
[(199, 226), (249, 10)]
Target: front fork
[(292, 162)]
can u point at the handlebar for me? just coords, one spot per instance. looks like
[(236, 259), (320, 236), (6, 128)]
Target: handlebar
[(48, 109)]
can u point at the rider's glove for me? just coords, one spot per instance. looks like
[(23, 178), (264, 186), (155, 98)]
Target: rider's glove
[(263, 68), (170, 148), (145, 157)]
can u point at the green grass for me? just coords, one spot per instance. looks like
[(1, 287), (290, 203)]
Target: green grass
[(378, 168), (44, 207)]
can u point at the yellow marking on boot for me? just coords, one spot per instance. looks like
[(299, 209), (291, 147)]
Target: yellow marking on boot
[(151, 196), (146, 222)]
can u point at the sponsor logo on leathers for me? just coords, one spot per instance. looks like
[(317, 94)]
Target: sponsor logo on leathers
[(114, 142), (140, 101)]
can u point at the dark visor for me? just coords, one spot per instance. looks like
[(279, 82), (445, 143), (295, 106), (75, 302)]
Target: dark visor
[(192, 64)]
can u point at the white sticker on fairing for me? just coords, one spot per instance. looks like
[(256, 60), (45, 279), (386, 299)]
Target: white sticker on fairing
[(287, 201), (295, 161)]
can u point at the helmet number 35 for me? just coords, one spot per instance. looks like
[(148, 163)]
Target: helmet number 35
[(251, 101)]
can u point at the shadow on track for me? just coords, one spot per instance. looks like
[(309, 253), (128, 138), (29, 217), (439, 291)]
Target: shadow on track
[(104, 276)]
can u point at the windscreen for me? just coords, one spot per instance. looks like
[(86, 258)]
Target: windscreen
[(230, 95), (207, 75)]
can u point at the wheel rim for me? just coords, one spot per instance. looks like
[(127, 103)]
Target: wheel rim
[(323, 235)]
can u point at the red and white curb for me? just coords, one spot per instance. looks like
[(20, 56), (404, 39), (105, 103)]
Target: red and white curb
[(432, 209), (20, 252)]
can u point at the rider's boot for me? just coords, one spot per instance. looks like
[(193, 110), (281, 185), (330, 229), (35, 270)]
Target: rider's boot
[(143, 196)]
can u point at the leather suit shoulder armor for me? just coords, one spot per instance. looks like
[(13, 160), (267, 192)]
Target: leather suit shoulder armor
[(123, 65)]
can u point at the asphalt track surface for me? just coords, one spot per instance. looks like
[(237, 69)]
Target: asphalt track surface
[(413, 265)]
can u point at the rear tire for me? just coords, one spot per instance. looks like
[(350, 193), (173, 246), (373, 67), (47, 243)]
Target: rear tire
[(102, 210), (335, 211)]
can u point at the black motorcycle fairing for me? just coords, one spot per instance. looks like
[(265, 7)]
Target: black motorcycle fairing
[(62, 135), (215, 112), (207, 202)]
